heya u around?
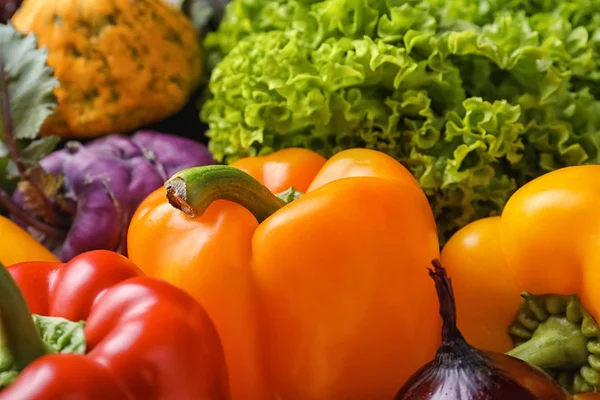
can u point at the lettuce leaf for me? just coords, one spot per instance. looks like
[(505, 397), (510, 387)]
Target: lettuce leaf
[(475, 97)]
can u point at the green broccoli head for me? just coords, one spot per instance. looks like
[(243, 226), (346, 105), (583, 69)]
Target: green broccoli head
[(475, 103)]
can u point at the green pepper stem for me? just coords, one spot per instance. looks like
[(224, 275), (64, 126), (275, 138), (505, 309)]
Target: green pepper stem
[(20, 342), (194, 189), (557, 343)]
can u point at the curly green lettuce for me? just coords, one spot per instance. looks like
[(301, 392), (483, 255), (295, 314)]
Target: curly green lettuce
[(475, 97)]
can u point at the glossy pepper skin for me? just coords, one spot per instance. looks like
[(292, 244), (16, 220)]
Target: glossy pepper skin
[(328, 297), (18, 246), (547, 241), (146, 339)]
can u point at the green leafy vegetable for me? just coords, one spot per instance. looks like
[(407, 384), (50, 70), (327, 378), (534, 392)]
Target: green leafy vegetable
[(27, 100), (60, 334), (31, 83), (475, 97)]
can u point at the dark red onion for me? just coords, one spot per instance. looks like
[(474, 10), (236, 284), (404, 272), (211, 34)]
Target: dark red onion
[(461, 372)]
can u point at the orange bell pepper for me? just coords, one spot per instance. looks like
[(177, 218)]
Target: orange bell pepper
[(18, 246), (529, 278), (324, 297)]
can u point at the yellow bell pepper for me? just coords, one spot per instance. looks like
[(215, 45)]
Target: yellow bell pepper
[(18, 246)]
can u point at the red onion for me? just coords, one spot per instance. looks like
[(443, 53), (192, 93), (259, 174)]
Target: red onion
[(462, 372)]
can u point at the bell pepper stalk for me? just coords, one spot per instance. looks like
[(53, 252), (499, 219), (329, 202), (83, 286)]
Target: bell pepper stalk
[(17, 245), (314, 271), (102, 330), (526, 282)]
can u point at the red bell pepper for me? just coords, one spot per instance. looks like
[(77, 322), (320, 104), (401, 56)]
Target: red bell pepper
[(142, 339)]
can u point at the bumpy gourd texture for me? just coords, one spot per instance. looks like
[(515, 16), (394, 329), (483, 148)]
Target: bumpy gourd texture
[(121, 63)]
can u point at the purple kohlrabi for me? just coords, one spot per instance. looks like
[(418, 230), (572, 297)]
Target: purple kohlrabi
[(107, 179)]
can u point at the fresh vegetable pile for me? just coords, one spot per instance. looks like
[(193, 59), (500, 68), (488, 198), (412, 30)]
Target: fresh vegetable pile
[(82, 196), (105, 181), (474, 97), (354, 145)]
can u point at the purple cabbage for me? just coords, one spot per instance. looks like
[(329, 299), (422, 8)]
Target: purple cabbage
[(107, 179)]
